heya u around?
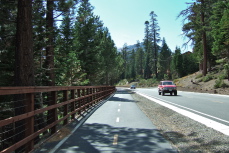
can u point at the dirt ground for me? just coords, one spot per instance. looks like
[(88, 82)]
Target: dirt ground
[(191, 83)]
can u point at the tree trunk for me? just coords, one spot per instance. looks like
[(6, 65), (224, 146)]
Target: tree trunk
[(155, 54), (49, 64), (204, 39), (24, 70)]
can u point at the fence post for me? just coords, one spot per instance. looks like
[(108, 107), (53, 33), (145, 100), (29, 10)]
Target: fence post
[(83, 100), (65, 98), (52, 114), (79, 101), (73, 103), (29, 126), (88, 99)]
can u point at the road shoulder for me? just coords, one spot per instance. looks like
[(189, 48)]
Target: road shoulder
[(184, 133)]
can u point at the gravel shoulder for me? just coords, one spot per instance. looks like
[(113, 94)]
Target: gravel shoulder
[(185, 134)]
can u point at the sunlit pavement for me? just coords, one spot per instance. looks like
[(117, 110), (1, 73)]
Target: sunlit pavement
[(117, 126)]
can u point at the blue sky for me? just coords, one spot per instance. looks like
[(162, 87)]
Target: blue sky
[(125, 19)]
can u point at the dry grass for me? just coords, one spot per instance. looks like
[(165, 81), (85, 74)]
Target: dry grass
[(63, 132), (194, 83)]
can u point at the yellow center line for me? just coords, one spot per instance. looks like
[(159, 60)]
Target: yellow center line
[(115, 142), (217, 101)]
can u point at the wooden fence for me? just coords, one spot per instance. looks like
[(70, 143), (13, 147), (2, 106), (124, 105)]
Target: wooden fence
[(29, 115)]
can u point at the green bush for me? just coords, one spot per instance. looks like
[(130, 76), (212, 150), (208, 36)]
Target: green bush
[(122, 82), (219, 83), (199, 76), (147, 83), (223, 76), (207, 78)]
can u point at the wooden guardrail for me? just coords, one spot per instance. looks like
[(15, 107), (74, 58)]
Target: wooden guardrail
[(29, 115)]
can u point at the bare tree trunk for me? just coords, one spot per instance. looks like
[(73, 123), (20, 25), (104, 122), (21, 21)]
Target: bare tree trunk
[(49, 64), (155, 54), (24, 70), (204, 39)]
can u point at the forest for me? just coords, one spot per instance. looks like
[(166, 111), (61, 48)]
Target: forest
[(63, 43)]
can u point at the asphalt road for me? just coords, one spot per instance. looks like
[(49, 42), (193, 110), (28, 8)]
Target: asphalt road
[(212, 106), (117, 126)]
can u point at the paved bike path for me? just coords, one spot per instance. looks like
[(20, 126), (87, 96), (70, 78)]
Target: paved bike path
[(117, 126)]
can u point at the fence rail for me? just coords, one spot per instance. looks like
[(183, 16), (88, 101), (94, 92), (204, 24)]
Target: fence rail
[(29, 115)]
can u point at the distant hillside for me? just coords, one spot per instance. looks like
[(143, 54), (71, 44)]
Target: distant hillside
[(131, 47)]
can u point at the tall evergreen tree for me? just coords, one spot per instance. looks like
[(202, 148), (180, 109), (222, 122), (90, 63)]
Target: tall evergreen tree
[(132, 63), (139, 60), (69, 69), (147, 70), (177, 64), (8, 15), (198, 30), (108, 56), (39, 37), (155, 38), (124, 52), (220, 32), (164, 60), (87, 26)]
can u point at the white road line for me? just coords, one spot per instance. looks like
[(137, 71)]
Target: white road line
[(117, 119), (206, 93), (210, 123), (119, 104), (162, 100), (118, 110)]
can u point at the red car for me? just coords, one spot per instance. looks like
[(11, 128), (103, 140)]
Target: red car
[(167, 87)]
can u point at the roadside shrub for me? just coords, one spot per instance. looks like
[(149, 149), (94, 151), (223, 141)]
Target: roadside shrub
[(223, 76), (219, 83), (199, 76), (147, 83), (122, 82), (207, 78)]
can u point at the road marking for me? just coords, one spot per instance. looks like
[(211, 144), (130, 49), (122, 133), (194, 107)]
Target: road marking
[(117, 119), (217, 101), (118, 110), (115, 141), (119, 104), (162, 100), (208, 122), (207, 94)]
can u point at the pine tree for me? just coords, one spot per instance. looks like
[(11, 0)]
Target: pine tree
[(108, 55), (155, 38), (198, 30), (139, 60), (49, 62), (69, 69), (87, 26), (164, 60), (124, 52), (220, 32), (7, 42), (39, 37), (132, 63), (147, 70), (177, 64)]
